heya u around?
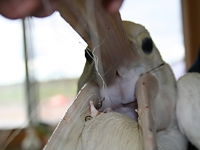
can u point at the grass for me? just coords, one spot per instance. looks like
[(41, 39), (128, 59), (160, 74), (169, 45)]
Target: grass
[(12, 94), (15, 94), (65, 87)]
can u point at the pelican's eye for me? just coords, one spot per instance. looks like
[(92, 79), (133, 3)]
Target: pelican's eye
[(147, 45)]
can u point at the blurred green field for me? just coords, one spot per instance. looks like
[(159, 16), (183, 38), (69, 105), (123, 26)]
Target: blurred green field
[(15, 94)]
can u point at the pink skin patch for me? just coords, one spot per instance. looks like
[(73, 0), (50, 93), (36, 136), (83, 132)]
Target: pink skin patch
[(93, 111)]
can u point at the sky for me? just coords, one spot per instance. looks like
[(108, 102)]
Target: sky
[(59, 51)]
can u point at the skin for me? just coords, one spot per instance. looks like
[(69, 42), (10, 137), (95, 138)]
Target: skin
[(14, 9)]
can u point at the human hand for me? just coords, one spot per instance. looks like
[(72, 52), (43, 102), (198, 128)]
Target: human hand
[(112, 5), (15, 9)]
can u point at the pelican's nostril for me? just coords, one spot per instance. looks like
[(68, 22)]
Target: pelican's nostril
[(117, 74)]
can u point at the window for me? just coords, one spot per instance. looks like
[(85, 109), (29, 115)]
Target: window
[(55, 60)]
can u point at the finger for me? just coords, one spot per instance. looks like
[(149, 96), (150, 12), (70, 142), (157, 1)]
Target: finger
[(14, 9), (47, 7), (112, 5)]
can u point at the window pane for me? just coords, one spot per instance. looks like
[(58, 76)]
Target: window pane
[(12, 103), (58, 63)]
